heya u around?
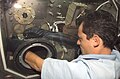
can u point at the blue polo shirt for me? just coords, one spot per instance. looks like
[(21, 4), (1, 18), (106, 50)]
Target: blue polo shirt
[(89, 66)]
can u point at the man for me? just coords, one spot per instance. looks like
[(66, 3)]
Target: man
[(97, 34)]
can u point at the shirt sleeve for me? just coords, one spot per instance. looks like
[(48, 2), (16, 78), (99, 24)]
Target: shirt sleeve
[(62, 69)]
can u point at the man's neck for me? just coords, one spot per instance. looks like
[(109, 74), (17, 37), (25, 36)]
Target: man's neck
[(105, 51)]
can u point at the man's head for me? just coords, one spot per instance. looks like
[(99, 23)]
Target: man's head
[(97, 32)]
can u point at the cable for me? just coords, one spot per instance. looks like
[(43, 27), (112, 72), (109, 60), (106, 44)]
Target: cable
[(101, 5)]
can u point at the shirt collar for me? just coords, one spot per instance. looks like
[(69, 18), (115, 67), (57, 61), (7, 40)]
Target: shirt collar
[(97, 57)]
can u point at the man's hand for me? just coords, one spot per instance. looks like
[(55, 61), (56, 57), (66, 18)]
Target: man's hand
[(34, 60)]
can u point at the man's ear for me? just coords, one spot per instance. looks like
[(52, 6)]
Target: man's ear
[(95, 40)]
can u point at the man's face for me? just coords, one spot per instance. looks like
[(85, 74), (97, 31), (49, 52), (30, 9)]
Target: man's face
[(83, 42)]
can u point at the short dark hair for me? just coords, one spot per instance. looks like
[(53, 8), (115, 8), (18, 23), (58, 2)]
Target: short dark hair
[(101, 23)]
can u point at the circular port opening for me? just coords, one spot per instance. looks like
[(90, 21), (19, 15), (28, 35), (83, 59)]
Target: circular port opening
[(37, 48)]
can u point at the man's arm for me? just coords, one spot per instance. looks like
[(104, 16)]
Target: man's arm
[(34, 61)]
